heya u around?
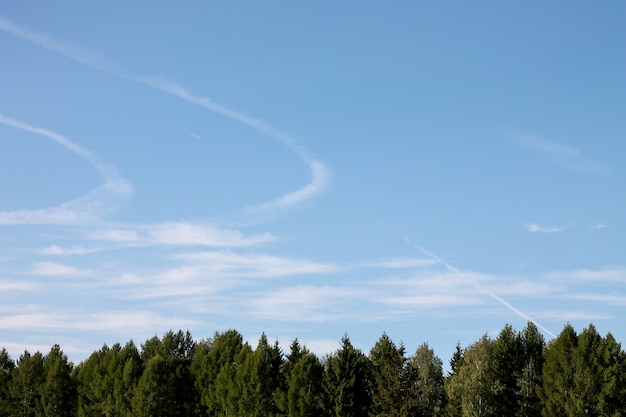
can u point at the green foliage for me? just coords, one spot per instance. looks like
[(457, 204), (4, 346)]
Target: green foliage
[(6, 369), (25, 387), (426, 393), (515, 374), (389, 391), (304, 375), (559, 370), (348, 382), (58, 391)]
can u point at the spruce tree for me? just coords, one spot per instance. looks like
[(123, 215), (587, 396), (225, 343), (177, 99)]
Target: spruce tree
[(506, 357), (304, 375), (58, 392), (558, 394), (348, 382), (25, 387), (389, 388), (530, 379), (6, 368)]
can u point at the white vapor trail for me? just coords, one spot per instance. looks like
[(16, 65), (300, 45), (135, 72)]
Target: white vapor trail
[(320, 173), (89, 207), (496, 297)]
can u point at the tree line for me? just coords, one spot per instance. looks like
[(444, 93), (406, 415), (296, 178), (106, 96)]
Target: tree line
[(513, 374)]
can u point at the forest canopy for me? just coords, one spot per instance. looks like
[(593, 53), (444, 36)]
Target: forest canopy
[(514, 374)]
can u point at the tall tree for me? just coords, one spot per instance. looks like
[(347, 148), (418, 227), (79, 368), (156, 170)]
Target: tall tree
[(476, 379), (6, 368), (213, 357), (530, 379), (25, 387), (452, 385), (304, 391), (348, 382), (612, 400), (257, 379), (58, 391), (506, 360), (389, 379), (558, 394), (427, 393)]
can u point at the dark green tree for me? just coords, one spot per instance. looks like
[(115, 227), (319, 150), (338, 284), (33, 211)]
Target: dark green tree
[(612, 400), (166, 387), (6, 368), (453, 406), (257, 380), (58, 391), (304, 391), (389, 379), (558, 394), (426, 391), (26, 382), (506, 360), (530, 379), (348, 382), (213, 357)]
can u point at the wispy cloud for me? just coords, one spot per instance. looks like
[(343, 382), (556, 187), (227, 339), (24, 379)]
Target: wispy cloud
[(320, 173), (91, 207), (562, 155), (58, 270), (538, 228), (176, 234)]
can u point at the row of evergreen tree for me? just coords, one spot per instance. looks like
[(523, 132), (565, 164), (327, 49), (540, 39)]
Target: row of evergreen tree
[(515, 374)]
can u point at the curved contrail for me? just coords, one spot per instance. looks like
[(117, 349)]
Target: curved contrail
[(320, 173), (92, 206)]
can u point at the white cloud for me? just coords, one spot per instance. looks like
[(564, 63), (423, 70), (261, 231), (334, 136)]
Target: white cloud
[(7, 286), (559, 154), (537, 228), (252, 265), (73, 250), (57, 269)]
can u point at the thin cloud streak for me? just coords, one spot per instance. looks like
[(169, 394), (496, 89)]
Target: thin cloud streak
[(499, 299), (537, 228), (562, 155), (92, 206), (320, 173)]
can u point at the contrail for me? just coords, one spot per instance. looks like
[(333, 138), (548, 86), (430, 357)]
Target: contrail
[(496, 297), (320, 173), (89, 207)]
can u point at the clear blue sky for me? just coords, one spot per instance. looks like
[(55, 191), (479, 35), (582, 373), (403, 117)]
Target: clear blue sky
[(434, 170)]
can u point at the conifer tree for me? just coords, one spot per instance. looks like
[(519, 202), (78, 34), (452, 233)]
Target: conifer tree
[(304, 391), (214, 357), (348, 382), (530, 379), (558, 394), (506, 359), (58, 392), (389, 379), (452, 387), (25, 387), (6, 368)]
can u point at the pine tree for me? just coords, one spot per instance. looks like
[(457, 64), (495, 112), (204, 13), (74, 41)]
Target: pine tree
[(452, 385), (530, 379), (389, 388), (304, 391), (558, 394), (348, 382), (6, 369), (26, 381), (58, 392), (214, 357), (506, 359)]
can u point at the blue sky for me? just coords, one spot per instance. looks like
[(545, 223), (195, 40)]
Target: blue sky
[(434, 171)]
